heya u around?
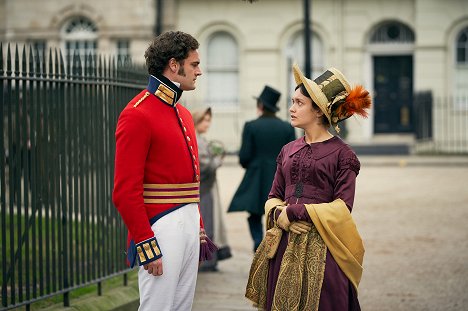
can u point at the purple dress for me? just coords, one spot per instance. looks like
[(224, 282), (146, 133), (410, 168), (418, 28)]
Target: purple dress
[(316, 173)]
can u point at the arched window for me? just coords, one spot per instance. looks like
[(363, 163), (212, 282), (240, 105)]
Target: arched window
[(461, 70), (392, 32), (80, 35), (462, 47), (295, 53), (222, 70)]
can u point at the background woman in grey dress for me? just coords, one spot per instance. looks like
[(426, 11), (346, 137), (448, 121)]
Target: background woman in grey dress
[(211, 157)]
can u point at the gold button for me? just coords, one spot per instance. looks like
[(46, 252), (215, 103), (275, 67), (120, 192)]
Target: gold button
[(191, 147), (188, 138), (185, 129), (195, 167)]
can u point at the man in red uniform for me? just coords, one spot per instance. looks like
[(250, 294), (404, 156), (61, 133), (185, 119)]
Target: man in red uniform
[(156, 182)]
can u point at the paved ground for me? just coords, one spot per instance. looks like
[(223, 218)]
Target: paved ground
[(412, 214)]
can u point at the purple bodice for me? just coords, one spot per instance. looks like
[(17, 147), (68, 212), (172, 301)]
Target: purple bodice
[(316, 173)]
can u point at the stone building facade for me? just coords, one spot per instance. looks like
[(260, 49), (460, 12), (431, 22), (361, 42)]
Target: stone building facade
[(394, 48)]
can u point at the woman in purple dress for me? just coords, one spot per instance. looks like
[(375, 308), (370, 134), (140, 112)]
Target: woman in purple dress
[(311, 257)]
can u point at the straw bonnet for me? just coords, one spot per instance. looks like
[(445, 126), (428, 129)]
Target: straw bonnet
[(199, 114), (334, 96)]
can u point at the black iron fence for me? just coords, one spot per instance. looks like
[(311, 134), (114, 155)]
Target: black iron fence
[(58, 228), (441, 124)]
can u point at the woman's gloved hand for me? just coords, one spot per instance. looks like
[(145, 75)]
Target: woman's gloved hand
[(300, 227), (283, 220)]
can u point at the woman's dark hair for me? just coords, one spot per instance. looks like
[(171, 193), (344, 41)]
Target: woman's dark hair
[(324, 119), (171, 44)]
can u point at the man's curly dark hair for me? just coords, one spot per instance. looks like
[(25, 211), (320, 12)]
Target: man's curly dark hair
[(171, 44)]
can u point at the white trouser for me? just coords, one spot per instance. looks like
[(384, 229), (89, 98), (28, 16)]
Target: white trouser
[(178, 237)]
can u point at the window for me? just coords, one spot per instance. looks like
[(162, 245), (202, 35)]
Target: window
[(38, 47), (296, 51), (392, 32), (80, 37), (462, 47), (461, 70), (123, 50), (295, 54), (222, 70)]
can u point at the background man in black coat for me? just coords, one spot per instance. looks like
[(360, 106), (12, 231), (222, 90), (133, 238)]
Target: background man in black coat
[(262, 140)]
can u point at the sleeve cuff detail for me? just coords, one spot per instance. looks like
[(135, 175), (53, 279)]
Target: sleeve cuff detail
[(147, 251), (294, 211)]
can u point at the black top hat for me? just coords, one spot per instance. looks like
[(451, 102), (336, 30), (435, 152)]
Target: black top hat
[(269, 98)]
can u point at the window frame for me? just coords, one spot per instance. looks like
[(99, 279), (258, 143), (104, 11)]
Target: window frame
[(80, 34), (231, 70)]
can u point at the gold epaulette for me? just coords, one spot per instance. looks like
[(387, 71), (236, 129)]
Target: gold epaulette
[(141, 99)]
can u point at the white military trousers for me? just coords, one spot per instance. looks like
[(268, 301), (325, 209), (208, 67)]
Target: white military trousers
[(178, 237)]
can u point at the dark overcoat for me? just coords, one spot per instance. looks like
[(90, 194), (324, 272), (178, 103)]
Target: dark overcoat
[(262, 140)]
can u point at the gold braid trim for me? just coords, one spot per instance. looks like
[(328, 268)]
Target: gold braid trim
[(141, 99)]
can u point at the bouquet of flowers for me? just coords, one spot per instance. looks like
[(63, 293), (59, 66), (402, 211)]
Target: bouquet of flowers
[(216, 148)]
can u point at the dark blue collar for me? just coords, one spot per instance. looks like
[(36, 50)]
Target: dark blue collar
[(164, 89)]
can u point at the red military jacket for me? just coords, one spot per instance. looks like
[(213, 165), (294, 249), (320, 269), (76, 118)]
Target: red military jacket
[(155, 147)]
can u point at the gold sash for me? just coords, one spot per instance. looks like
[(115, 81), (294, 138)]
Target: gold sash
[(171, 193)]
